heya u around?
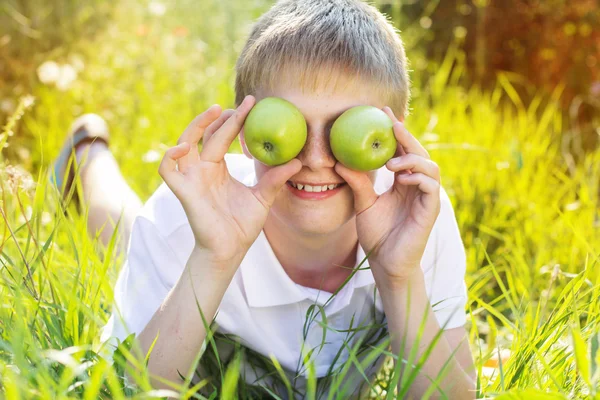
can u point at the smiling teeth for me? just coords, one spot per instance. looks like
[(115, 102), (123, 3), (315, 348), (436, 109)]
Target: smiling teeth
[(309, 188)]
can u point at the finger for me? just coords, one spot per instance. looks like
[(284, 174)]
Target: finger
[(212, 128), (399, 150), (193, 133), (273, 180), (362, 187), (414, 163), (409, 143), (426, 184), (220, 141), (168, 166)]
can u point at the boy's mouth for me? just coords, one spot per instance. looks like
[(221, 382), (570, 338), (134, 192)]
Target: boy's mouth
[(315, 188)]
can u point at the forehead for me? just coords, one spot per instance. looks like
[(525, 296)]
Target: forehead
[(323, 94)]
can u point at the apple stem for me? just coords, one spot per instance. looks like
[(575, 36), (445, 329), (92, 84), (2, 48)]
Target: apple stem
[(375, 145), (268, 146)]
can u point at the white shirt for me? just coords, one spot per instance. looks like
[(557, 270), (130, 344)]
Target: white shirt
[(262, 305)]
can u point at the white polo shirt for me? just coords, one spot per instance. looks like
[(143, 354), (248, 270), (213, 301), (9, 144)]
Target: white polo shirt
[(262, 306)]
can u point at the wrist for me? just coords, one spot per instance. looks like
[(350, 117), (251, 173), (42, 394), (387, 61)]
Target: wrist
[(205, 261), (411, 277)]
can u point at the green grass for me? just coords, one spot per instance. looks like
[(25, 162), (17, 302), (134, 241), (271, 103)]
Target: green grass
[(528, 216)]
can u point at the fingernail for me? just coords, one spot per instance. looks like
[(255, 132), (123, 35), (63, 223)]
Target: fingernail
[(396, 161)]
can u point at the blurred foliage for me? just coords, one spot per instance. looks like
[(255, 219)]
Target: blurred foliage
[(174, 54), (536, 44), (32, 31), (542, 43)]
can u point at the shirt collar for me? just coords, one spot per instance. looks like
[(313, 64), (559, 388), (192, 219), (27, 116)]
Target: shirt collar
[(267, 284)]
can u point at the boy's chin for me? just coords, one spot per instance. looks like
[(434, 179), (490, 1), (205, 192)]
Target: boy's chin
[(316, 218), (316, 230), (317, 223)]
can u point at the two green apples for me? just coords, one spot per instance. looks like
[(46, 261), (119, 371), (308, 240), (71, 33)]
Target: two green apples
[(362, 138)]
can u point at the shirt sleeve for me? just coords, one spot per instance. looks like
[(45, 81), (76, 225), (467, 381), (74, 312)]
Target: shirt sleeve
[(448, 296), (142, 284)]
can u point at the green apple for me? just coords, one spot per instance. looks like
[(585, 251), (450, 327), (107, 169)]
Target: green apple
[(274, 131), (362, 138)]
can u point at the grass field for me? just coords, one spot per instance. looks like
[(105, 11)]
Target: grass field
[(528, 208)]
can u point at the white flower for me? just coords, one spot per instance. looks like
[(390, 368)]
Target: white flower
[(425, 22), (28, 100), (157, 8), (48, 72), (460, 32), (500, 165), (151, 156), (77, 62), (46, 218), (68, 74), (210, 71), (200, 45), (143, 122), (18, 178), (7, 105), (61, 75)]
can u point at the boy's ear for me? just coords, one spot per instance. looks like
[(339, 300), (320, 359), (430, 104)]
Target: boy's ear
[(243, 143)]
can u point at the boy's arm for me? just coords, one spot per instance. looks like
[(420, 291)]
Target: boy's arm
[(178, 325), (407, 307), (223, 232)]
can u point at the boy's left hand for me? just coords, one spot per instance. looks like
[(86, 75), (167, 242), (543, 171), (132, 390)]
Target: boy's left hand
[(396, 225)]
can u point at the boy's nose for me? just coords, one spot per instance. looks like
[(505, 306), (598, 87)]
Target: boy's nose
[(316, 152)]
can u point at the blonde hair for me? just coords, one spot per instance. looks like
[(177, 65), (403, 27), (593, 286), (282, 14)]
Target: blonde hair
[(319, 41)]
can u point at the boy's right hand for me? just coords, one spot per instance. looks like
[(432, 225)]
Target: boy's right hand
[(226, 216)]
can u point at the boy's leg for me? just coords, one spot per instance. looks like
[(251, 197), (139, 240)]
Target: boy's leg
[(106, 194)]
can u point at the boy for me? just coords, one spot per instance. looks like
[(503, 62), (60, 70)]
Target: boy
[(237, 239)]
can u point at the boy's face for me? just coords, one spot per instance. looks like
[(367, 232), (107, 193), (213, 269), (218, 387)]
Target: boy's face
[(310, 216)]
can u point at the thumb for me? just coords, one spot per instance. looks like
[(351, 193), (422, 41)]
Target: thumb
[(361, 185), (274, 179)]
